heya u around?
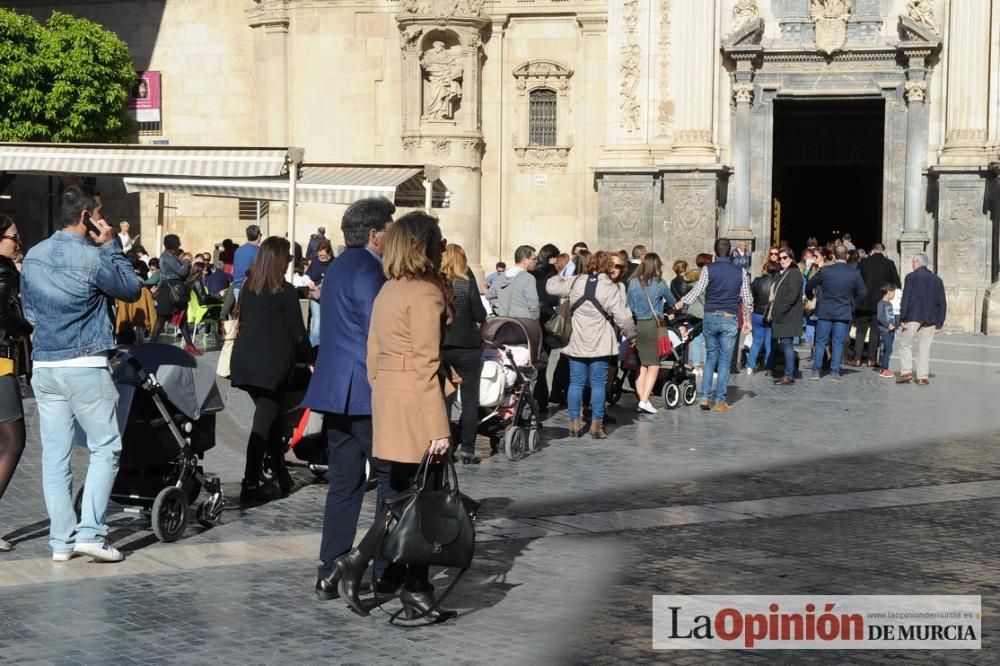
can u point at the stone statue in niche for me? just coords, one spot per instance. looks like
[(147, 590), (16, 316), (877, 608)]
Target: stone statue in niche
[(922, 11), (744, 11), (443, 90), (831, 23)]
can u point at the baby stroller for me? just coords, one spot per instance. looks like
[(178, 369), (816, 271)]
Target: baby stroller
[(166, 410), (512, 359), (676, 382)]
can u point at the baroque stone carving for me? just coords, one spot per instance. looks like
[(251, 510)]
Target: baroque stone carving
[(542, 73), (966, 136), (410, 38), (916, 91), (666, 107), (830, 17), (542, 157), (692, 214), (443, 8), (441, 147), (743, 93), (629, 68), (694, 136), (443, 91), (744, 11), (628, 207), (922, 11)]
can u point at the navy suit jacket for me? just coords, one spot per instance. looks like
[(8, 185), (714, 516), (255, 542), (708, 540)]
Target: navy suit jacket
[(340, 384), (841, 287), (923, 299)]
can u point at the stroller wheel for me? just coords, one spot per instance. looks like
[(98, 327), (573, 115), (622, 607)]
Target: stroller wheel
[(169, 514), (514, 443), (689, 392), (534, 439), (671, 395)]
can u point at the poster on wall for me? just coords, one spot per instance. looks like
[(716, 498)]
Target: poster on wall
[(144, 103)]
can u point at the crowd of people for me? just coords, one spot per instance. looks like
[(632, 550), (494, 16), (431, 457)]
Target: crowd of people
[(394, 325)]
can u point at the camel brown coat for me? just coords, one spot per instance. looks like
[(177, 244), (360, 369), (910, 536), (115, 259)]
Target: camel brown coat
[(404, 355)]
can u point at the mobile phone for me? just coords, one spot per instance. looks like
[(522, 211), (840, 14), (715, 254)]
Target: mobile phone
[(89, 223)]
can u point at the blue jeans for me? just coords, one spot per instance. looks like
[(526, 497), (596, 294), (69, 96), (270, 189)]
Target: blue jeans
[(697, 356), (720, 337), (582, 370), (87, 396), (887, 339), (314, 323), (825, 330), (761, 339), (787, 346)]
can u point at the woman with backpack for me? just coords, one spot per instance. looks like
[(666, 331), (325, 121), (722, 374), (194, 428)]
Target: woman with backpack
[(600, 318)]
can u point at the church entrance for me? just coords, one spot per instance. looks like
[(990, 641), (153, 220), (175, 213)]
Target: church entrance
[(828, 171)]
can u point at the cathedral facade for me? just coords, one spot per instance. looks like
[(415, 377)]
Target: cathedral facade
[(662, 122)]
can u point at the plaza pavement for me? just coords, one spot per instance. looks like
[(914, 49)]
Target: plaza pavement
[(857, 487)]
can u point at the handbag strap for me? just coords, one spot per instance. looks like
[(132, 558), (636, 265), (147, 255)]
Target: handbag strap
[(648, 300)]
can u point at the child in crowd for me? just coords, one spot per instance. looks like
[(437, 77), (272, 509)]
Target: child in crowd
[(886, 327)]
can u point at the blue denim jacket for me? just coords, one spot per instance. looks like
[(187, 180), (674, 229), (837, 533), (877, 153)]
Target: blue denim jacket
[(65, 286), (659, 293)]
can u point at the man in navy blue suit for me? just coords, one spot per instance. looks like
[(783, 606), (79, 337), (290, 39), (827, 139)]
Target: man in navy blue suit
[(339, 388), (840, 287)]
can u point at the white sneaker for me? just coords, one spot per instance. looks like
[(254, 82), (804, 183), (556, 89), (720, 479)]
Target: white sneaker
[(749, 371), (6, 546), (647, 407), (62, 557), (99, 550)]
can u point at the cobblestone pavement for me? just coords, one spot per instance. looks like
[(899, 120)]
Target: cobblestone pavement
[(857, 487)]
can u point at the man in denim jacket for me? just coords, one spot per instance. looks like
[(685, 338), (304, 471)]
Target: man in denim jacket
[(66, 285)]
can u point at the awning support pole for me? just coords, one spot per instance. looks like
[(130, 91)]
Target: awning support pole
[(293, 178), (160, 205), (428, 194)]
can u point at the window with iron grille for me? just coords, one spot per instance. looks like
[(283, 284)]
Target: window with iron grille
[(542, 117)]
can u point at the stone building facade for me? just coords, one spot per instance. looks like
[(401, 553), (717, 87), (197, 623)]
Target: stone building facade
[(665, 122)]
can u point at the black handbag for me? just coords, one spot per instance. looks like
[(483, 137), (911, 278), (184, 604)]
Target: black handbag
[(430, 526), (433, 526)]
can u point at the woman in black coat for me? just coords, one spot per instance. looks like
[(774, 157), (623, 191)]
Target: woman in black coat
[(270, 336), (786, 313), (13, 328), (545, 269)]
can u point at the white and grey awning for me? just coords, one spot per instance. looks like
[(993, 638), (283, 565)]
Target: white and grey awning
[(317, 183), (146, 160)]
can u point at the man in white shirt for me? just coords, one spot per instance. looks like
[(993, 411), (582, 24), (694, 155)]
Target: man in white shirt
[(127, 241)]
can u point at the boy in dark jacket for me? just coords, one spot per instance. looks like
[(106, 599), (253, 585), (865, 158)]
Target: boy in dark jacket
[(886, 327)]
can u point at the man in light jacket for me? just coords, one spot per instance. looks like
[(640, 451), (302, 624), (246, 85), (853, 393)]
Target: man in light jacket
[(515, 293)]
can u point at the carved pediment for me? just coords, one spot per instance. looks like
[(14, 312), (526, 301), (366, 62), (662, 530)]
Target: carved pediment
[(543, 69), (910, 31), (749, 34)]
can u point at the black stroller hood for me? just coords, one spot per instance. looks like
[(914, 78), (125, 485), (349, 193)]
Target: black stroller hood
[(189, 385)]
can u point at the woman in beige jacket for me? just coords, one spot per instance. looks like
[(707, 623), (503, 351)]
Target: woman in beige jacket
[(409, 418), (600, 317)]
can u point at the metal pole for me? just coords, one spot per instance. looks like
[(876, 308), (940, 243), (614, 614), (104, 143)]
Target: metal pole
[(293, 175), (159, 224), (428, 194)]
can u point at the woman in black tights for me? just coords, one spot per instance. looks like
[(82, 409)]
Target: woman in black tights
[(13, 327), (270, 336), (172, 294)]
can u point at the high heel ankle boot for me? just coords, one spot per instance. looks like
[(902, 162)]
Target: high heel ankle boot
[(351, 569), (284, 479), (597, 430), (420, 606), (575, 426)]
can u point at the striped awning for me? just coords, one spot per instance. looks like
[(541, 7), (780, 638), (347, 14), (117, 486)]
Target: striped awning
[(318, 183), (146, 160)]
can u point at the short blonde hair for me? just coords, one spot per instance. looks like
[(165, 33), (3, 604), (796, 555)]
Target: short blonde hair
[(454, 263)]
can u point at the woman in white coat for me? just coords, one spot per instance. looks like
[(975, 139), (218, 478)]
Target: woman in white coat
[(600, 319)]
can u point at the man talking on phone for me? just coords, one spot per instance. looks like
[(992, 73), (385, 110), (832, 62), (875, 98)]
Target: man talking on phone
[(66, 284)]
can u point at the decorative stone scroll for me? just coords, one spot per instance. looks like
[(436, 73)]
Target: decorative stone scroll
[(630, 69), (916, 91), (830, 17)]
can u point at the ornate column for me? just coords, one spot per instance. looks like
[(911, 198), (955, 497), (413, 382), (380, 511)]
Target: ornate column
[(968, 83), (442, 60), (695, 38)]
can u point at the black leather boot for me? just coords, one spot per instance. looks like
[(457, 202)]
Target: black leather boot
[(351, 569), (420, 606)]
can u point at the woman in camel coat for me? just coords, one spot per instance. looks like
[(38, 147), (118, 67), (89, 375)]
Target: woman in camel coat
[(409, 419)]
